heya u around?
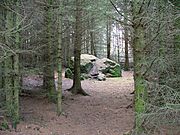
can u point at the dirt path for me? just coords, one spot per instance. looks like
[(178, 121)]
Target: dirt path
[(108, 111)]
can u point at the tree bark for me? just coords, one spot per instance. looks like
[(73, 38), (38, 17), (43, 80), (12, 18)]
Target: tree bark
[(126, 38), (16, 76), (49, 67), (11, 65), (126, 64), (139, 55), (76, 88), (2, 40), (59, 61), (67, 42), (8, 67), (92, 37), (108, 39)]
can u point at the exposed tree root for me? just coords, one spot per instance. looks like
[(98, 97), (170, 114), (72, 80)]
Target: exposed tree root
[(78, 91)]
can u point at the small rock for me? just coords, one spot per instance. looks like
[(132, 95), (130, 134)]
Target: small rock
[(101, 77)]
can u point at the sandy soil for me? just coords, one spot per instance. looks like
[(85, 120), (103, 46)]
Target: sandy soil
[(107, 111)]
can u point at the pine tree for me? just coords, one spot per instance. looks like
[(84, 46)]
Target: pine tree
[(59, 60), (139, 55), (48, 54), (76, 88)]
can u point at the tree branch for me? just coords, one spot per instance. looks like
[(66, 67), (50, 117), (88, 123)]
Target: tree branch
[(119, 11)]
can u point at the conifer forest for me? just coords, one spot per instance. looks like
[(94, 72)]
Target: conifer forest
[(89, 67)]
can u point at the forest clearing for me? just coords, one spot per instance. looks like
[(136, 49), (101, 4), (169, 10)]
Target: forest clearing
[(107, 111)]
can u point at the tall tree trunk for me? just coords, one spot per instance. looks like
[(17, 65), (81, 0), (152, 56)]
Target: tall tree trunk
[(67, 38), (8, 66), (59, 61), (139, 54), (11, 64), (2, 40), (126, 38), (49, 67), (87, 37), (76, 88), (176, 43), (118, 51), (1, 75), (92, 36), (67, 42), (16, 61), (108, 39), (177, 26), (126, 64)]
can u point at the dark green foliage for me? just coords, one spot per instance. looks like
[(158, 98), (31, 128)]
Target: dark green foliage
[(176, 3), (115, 71), (4, 125), (155, 65)]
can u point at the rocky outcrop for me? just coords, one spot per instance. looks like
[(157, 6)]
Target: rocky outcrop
[(93, 67)]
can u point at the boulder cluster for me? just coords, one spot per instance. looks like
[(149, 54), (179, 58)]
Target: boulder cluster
[(93, 67)]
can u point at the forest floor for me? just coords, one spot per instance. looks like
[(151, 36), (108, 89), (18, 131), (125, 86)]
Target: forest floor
[(107, 111)]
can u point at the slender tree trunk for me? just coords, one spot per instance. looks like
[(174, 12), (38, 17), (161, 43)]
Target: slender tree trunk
[(108, 39), (177, 26), (92, 36), (177, 42), (126, 64), (49, 68), (59, 61), (118, 53), (1, 75), (2, 40), (67, 34), (8, 67), (16, 76), (76, 88), (126, 38), (87, 37), (67, 37)]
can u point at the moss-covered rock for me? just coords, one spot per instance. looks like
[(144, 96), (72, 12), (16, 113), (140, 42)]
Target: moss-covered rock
[(92, 66), (85, 68), (115, 71), (68, 73), (109, 68), (86, 63)]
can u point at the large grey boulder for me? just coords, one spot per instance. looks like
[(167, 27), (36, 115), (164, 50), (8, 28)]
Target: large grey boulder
[(86, 62), (94, 70), (94, 67)]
